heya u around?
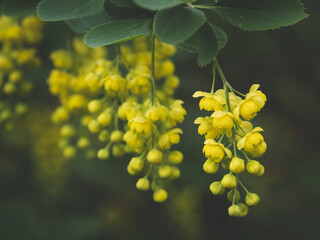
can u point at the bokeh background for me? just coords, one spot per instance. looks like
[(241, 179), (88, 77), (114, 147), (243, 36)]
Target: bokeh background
[(43, 197)]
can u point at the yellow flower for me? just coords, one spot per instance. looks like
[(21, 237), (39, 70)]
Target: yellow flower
[(237, 165), (76, 101), (253, 142), (216, 188), (253, 103), (176, 112), (139, 85), (171, 137), (156, 113), (129, 110), (215, 151), (143, 184), (134, 140), (115, 85), (61, 59), (223, 120), (141, 125), (206, 127), (211, 102)]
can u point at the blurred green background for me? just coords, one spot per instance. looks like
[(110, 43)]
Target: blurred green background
[(43, 198)]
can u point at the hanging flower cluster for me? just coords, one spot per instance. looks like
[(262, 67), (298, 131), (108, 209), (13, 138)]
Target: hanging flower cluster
[(231, 141), (127, 102), (17, 54)]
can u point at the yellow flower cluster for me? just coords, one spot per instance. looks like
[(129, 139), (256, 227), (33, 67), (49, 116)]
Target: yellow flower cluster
[(228, 128), (17, 38), (127, 102), (77, 80)]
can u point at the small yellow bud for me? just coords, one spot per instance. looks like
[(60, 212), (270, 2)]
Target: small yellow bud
[(160, 195), (9, 88), (105, 119), (216, 188), (94, 106), (103, 154), (69, 152), (83, 142), (85, 120), (94, 126), (135, 165), (118, 150), (116, 136), (252, 199), (15, 76), (244, 209), (229, 181), (253, 167), (104, 136), (165, 171), (67, 131), (210, 166), (175, 157), (154, 156), (143, 184), (237, 165), (261, 172), (21, 108), (175, 172), (234, 210)]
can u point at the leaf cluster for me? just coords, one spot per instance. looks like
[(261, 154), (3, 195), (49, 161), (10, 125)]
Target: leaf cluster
[(180, 22)]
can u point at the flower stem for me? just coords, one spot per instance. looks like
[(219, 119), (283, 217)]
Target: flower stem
[(152, 79)]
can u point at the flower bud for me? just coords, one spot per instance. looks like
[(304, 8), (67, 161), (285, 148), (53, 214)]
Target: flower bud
[(175, 157), (154, 156), (118, 150), (103, 154), (229, 181), (164, 171), (94, 126), (160, 195), (216, 188), (69, 152), (116, 136), (252, 199), (104, 136), (135, 165), (210, 166), (104, 119), (234, 210), (253, 167), (83, 142), (237, 165), (94, 106), (67, 131), (244, 209), (143, 184), (175, 172)]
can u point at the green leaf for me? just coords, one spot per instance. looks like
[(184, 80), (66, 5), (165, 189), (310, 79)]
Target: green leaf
[(124, 3), (18, 8), (57, 10), (83, 25), (178, 24), (118, 31), (158, 4), (204, 42), (221, 36), (256, 15), (118, 12)]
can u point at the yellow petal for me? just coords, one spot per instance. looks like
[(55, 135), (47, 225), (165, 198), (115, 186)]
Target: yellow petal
[(198, 120), (199, 94), (241, 142), (228, 152), (257, 129), (254, 87), (210, 141)]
